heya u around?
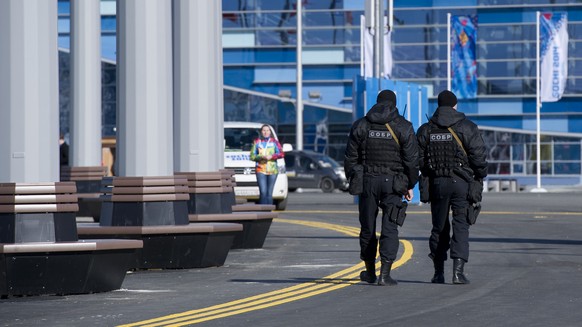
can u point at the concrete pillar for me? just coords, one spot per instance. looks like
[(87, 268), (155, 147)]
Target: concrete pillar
[(29, 103), (144, 88), (85, 118), (198, 93)]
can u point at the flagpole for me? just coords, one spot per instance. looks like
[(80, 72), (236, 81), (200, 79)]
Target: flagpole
[(378, 24), (538, 108), (390, 15), (449, 51), (362, 27), (299, 102)]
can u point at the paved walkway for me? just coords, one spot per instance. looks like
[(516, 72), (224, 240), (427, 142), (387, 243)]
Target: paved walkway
[(525, 268)]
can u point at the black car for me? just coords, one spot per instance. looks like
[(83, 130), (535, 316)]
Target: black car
[(310, 169)]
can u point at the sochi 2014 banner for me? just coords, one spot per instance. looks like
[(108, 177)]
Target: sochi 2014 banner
[(554, 55), (464, 56), (368, 51)]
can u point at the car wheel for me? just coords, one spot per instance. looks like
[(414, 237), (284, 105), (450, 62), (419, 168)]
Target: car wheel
[(326, 185), (281, 205)]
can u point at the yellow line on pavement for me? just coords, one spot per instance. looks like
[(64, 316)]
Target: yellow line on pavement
[(329, 283)]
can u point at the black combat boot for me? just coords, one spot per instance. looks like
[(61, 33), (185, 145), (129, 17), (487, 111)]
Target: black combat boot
[(385, 278), (439, 272), (369, 275), (458, 275)]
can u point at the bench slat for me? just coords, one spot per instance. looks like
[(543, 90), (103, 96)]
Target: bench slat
[(232, 216), (95, 229), (81, 245), (29, 208), (149, 189), (38, 198), (253, 207), (203, 190), (39, 188), (149, 197), (147, 181), (208, 183), (200, 176)]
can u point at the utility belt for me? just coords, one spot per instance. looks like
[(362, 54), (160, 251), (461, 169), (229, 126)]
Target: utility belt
[(399, 180), (376, 170)]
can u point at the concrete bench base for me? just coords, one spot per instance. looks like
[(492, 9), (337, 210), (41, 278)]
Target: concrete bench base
[(38, 227), (256, 226), (208, 203), (88, 186), (172, 247), (88, 266), (89, 206), (144, 213)]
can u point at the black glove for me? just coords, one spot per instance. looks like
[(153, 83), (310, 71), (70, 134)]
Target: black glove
[(423, 187), (475, 194), (356, 182)]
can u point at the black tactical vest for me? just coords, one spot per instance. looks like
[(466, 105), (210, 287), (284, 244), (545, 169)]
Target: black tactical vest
[(382, 153), (443, 152)]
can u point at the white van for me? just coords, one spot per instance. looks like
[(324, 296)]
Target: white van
[(238, 140)]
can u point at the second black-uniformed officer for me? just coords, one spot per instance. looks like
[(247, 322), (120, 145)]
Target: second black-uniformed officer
[(453, 157), (383, 146)]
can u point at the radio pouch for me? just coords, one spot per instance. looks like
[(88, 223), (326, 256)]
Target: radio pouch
[(396, 212), (473, 212)]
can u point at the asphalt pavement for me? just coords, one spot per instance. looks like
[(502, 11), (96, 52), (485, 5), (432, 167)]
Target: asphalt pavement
[(525, 268)]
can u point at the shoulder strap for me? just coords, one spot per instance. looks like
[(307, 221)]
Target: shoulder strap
[(458, 140), (393, 135)]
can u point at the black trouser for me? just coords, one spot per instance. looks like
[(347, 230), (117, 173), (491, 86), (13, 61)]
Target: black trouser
[(377, 194), (449, 193)]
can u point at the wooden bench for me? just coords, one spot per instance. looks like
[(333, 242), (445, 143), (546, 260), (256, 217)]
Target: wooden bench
[(212, 200), (39, 212), (144, 201), (88, 180), (210, 192), (155, 210), (39, 248), (256, 226), (182, 246)]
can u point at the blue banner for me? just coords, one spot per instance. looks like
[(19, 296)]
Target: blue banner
[(464, 56)]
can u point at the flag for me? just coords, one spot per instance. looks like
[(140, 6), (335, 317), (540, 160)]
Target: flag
[(464, 56), (554, 55), (368, 51)]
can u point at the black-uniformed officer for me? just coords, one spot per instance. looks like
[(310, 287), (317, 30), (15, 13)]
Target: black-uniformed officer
[(382, 145), (452, 155)]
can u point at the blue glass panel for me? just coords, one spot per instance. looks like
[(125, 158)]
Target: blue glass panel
[(64, 7), (108, 23), (64, 25), (328, 72), (575, 123), (240, 77), (238, 56), (567, 168), (272, 4), (108, 47), (276, 55), (64, 41), (567, 151)]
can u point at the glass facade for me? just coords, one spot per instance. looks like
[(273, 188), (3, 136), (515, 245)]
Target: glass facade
[(262, 57), (259, 51)]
